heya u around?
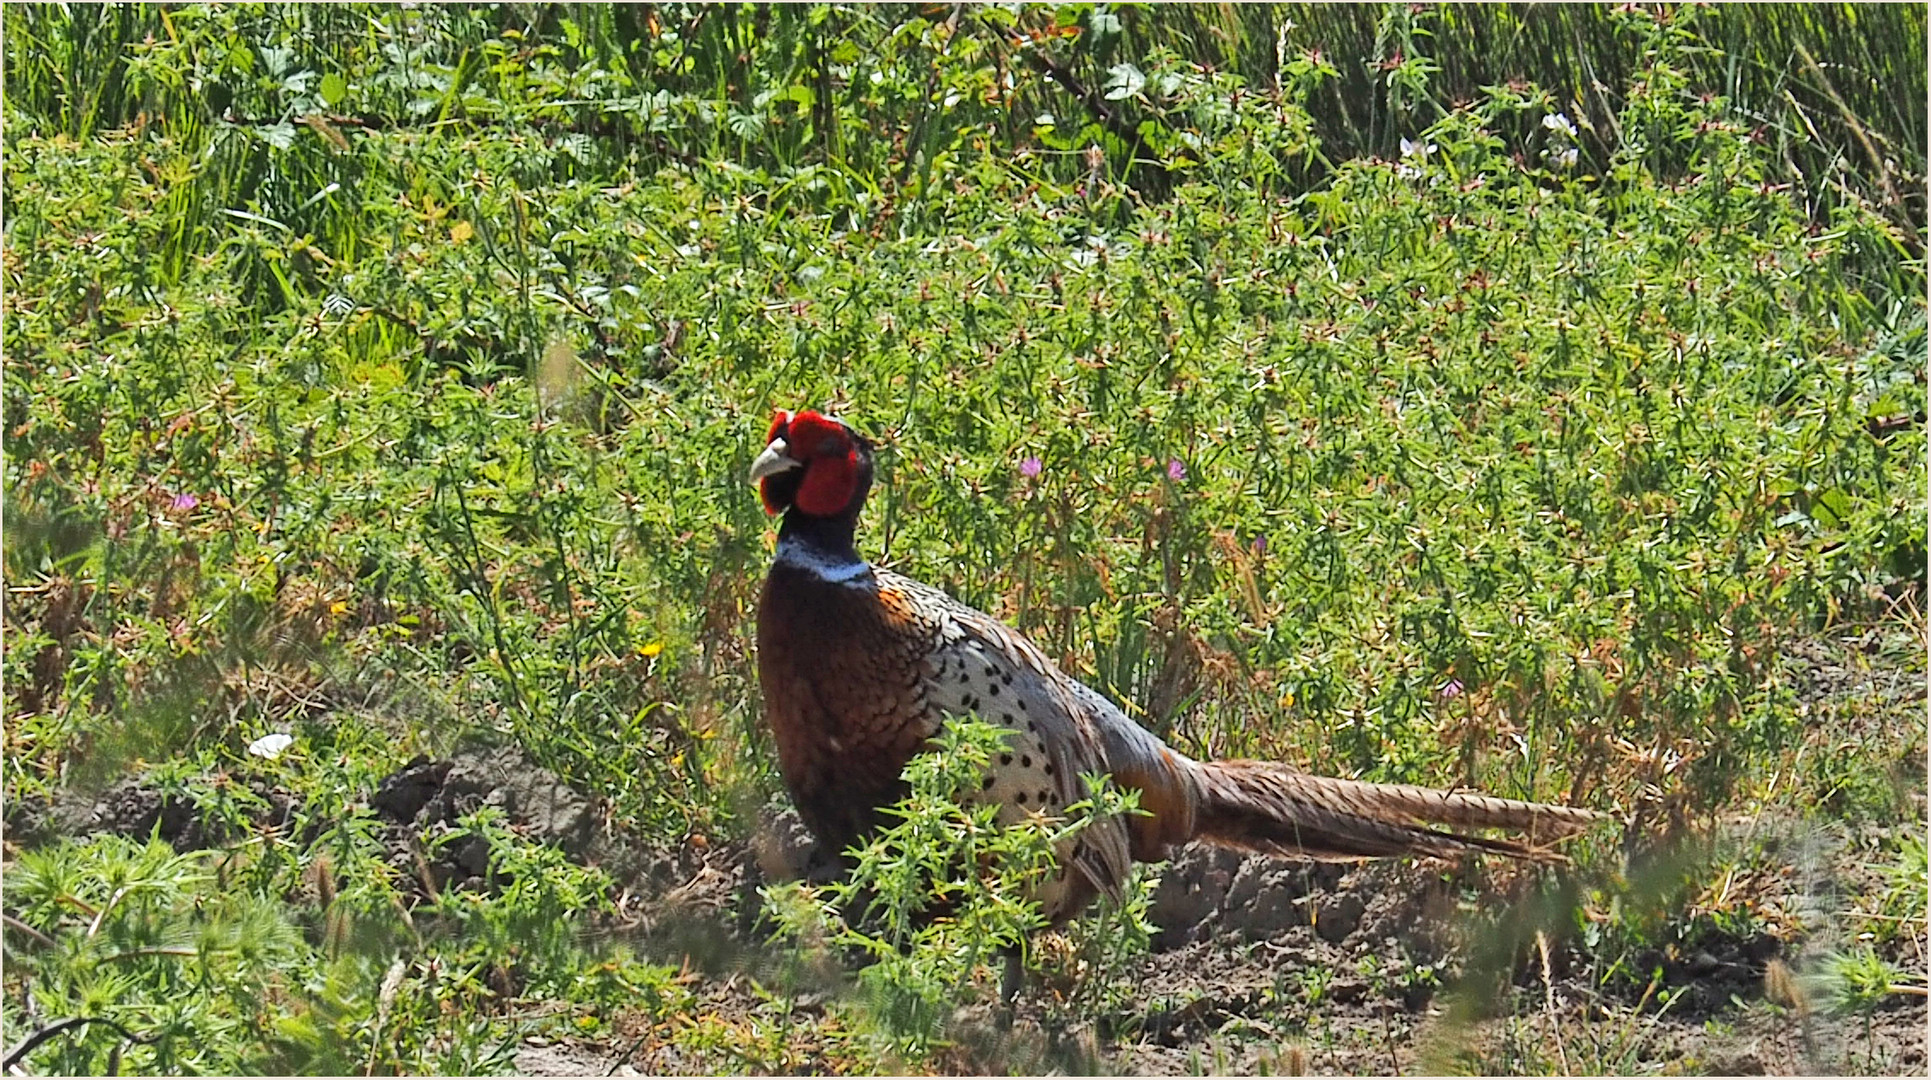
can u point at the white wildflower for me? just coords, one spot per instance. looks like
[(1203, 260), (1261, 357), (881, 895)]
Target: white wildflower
[(271, 746)]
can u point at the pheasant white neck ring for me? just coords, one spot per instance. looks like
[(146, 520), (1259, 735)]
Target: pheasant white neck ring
[(825, 566)]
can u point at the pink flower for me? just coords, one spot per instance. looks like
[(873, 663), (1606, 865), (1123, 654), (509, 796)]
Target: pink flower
[(184, 502), (1030, 467), (1451, 689), (1176, 470)]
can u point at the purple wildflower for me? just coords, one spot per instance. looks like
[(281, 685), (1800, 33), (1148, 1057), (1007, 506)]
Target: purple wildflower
[(1451, 689), (184, 502), (1176, 470), (1260, 546), (1030, 467)]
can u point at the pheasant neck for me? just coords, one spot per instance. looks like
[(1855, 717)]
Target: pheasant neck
[(822, 547)]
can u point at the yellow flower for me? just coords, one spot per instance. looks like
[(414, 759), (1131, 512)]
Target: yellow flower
[(651, 649)]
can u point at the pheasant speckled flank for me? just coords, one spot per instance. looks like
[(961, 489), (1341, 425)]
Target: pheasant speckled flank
[(861, 666)]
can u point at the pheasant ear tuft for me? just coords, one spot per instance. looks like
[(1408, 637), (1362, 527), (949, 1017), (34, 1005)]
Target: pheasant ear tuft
[(812, 436), (779, 421)]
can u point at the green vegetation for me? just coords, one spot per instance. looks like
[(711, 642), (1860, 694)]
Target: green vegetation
[(938, 903), (220, 978), (1418, 394)]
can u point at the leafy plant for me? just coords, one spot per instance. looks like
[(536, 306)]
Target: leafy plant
[(129, 932), (938, 899), (1857, 980), (1901, 910)]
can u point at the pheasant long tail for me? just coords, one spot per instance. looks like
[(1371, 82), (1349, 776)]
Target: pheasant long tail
[(1270, 808)]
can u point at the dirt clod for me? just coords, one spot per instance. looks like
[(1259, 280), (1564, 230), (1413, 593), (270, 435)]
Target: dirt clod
[(403, 794), (1336, 920)]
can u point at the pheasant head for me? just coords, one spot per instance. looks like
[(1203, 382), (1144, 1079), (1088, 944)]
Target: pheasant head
[(816, 471)]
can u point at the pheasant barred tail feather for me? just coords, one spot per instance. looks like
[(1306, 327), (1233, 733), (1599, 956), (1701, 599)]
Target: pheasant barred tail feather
[(1267, 807)]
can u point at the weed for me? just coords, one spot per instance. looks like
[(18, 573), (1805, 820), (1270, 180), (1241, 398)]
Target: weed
[(1857, 981), (943, 896), (1902, 907)]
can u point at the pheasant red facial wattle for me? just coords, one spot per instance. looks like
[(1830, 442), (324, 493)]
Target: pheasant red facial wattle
[(860, 666)]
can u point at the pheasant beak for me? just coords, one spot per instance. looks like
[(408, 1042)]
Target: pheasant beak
[(775, 459)]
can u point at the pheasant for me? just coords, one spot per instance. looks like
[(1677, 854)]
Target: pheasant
[(861, 666)]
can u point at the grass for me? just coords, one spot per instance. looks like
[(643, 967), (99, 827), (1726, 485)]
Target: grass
[(1471, 463)]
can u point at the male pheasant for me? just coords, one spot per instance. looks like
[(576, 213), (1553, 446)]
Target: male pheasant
[(860, 667)]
